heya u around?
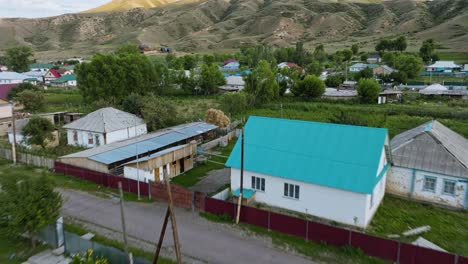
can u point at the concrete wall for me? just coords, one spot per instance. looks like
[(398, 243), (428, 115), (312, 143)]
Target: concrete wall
[(408, 182), (5, 110), (222, 195), (330, 203)]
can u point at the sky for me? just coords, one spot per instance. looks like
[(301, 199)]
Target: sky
[(45, 8)]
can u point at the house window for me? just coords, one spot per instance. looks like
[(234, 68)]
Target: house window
[(75, 136), (449, 187), (291, 190), (90, 139), (98, 142), (258, 183), (429, 184)]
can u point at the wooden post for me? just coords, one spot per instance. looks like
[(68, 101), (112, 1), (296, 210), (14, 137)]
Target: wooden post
[(13, 146), (173, 219), (241, 191), (124, 230), (161, 236)]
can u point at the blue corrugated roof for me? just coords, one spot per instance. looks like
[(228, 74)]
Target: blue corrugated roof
[(246, 193), (339, 156), (151, 144)]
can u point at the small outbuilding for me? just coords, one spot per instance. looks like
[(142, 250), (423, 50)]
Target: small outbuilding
[(233, 84), (430, 163), (104, 126), (332, 171)]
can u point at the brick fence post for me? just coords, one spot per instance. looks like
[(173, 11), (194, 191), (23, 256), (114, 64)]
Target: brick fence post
[(307, 230), (398, 252), (269, 221)]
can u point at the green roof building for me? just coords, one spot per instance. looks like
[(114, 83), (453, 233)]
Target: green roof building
[(332, 171)]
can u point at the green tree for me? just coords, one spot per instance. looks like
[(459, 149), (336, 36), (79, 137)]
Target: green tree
[(320, 54), (127, 49), (311, 87), (133, 103), (261, 84), (28, 205), (31, 100), (38, 131), (314, 68), (347, 54), (410, 64), (210, 79), (334, 80), (158, 112), (426, 52), (368, 90), (19, 58), (355, 49), (234, 103), (364, 56), (367, 73), (22, 87), (400, 43), (189, 62), (383, 45)]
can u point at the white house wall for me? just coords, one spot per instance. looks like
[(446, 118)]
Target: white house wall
[(138, 174), (110, 137), (377, 197), (330, 203), (125, 133), (400, 182), (83, 138), (5, 110)]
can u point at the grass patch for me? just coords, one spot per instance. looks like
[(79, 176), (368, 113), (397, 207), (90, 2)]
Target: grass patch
[(66, 181), (137, 252), (16, 251), (193, 176), (457, 57), (396, 215), (57, 99), (317, 251)]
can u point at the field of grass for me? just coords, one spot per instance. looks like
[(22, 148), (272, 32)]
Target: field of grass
[(57, 100), (194, 175), (438, 79), (65, 181), (449, 228), (16, 251), (458, 57), (318, 251)]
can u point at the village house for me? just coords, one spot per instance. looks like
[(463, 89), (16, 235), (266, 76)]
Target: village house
[(5, 108), (42, 67), (374, 58), (36, 75), (155, 148), (65, 81), (283, 65), (382, 70), (337, 94), (51, 75), (21, 139), (443, 66), (332, 171), (104, 126), (230, 65), (357, 67), (390, 96), (12, 77), (430, 163), (233, 84)]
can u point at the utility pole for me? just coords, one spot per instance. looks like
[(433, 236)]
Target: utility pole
[(137, 162), (124, 230), (173, 220), (161, 236), (13, 126), (241, 178)]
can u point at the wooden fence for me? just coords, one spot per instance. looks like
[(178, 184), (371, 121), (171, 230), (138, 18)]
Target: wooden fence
[(27, 158)]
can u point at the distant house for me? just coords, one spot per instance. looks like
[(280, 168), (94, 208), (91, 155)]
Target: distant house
[(52, 75), (465, 68), (104, 126), (337, 94), (374, 58), (43, 67), (230, 65), (443, 66), (65, 81), (382, 70), (333, 171), (434, 89), (37, 75), (12, 77), (287, 65), (430, 163), (233, 84), (357, 67), (389, 96)]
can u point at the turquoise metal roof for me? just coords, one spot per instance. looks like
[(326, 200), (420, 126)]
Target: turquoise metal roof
[(338, 156)]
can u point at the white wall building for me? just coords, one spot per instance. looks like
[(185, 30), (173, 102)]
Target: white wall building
[(332, 171), (431, 165), (12, 77), (104, 126)]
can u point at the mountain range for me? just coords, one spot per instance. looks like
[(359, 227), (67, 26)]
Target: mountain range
[(202, 25)]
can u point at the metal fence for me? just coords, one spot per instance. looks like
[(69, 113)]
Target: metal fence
[(108, 180), (27, 158), (388, 249)]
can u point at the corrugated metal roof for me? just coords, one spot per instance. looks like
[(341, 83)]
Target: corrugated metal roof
[(432, 147), (444, 64), (106, 120), (122, 150), (12, 76), (157, 154), (338, 156)]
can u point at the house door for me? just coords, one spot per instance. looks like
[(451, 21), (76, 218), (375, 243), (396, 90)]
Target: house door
[(182, 165), (156, 174)]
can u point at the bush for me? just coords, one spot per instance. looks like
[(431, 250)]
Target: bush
[(31, 100), (334, 80), (311, 87), (234, 103), (368, 90)]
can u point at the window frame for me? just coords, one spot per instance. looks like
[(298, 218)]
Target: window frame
[(292, 191), (430, 178), (454, 187), (258, 183), (90, 139)]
